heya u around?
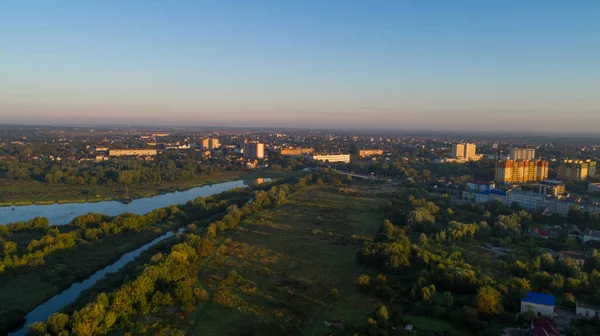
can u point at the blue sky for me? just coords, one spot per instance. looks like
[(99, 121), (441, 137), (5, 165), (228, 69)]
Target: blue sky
[(459, 65)]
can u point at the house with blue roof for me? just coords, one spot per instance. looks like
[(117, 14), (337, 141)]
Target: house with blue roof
[(541, 304)]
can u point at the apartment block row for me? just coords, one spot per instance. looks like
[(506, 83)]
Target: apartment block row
[(530, 200)]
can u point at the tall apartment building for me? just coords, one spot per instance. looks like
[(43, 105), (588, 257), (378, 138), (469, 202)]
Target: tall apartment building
[(210, 144), (465, 151), (576, 169), (296, 151), (254, 150), (522, 154), (521, 171), (369, 152)]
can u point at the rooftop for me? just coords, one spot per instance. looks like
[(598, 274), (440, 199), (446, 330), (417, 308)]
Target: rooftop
[(574, 255), (539, 298), (480, 182), (587, 305), (543, 327), (590, 232), (527, 193)]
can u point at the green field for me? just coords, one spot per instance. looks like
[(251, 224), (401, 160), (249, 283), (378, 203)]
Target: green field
[(288, 262)]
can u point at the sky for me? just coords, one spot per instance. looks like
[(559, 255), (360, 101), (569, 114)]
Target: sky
[(527, 66)]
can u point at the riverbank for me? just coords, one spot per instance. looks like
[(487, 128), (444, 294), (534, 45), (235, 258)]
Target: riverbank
[(36, 193)]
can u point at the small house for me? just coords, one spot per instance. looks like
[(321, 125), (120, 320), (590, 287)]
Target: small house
[(579, 258), (591, 236), (541, 304), (540, 233), (587, 310)]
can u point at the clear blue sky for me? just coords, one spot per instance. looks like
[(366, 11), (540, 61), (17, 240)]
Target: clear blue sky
[(474, 65)]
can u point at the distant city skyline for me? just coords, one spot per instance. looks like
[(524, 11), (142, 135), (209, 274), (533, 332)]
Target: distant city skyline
[(460, 66)]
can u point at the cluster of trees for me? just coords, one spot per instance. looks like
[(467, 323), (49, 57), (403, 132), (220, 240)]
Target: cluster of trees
[(564, 278), (166, 167), (452, 281), (389, 251), (169, 280), (84, 229)]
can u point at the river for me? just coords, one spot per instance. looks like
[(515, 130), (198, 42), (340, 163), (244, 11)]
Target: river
[(68, 296), (58, 214), (63, 213)]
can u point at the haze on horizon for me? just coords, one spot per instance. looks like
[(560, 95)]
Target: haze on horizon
[(438, 65)]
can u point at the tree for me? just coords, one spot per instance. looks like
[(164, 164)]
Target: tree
[(488, 301), (576, 215), (126, 177), (423, 239), (363, 281), (382, 313), (448, 300), (10, 247), (57, 323)]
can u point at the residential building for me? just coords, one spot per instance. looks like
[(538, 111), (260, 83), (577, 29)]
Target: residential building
[(527, 200), (541, 304), (210, 144), (543, 327), (563, 207), (132, 152), (496, 195), (370, 152), (579, 258), (480, 185), (594, 187), (540, 233), (576, 169), (469, 195), (522, 154), (296, 151), (521, 171), (551, 187), (586, 310), (345, 158), (465, 151), (482, 197), (254, 150), (591, 236)]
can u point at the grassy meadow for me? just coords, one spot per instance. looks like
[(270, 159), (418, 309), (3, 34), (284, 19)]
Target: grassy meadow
[(290, 269)]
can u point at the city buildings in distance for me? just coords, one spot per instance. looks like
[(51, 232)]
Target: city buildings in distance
[(296, 151), (345, 158), (210, 144), (132, 152), (576, 169), (369, 152), (461, 153), (521, 171), (254, 150), (522, 154)]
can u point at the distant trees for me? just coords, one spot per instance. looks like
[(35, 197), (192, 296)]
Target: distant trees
[(162, 168)]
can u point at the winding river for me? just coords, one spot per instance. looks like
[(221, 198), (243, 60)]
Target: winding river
[(58, 214), (63, 213)]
